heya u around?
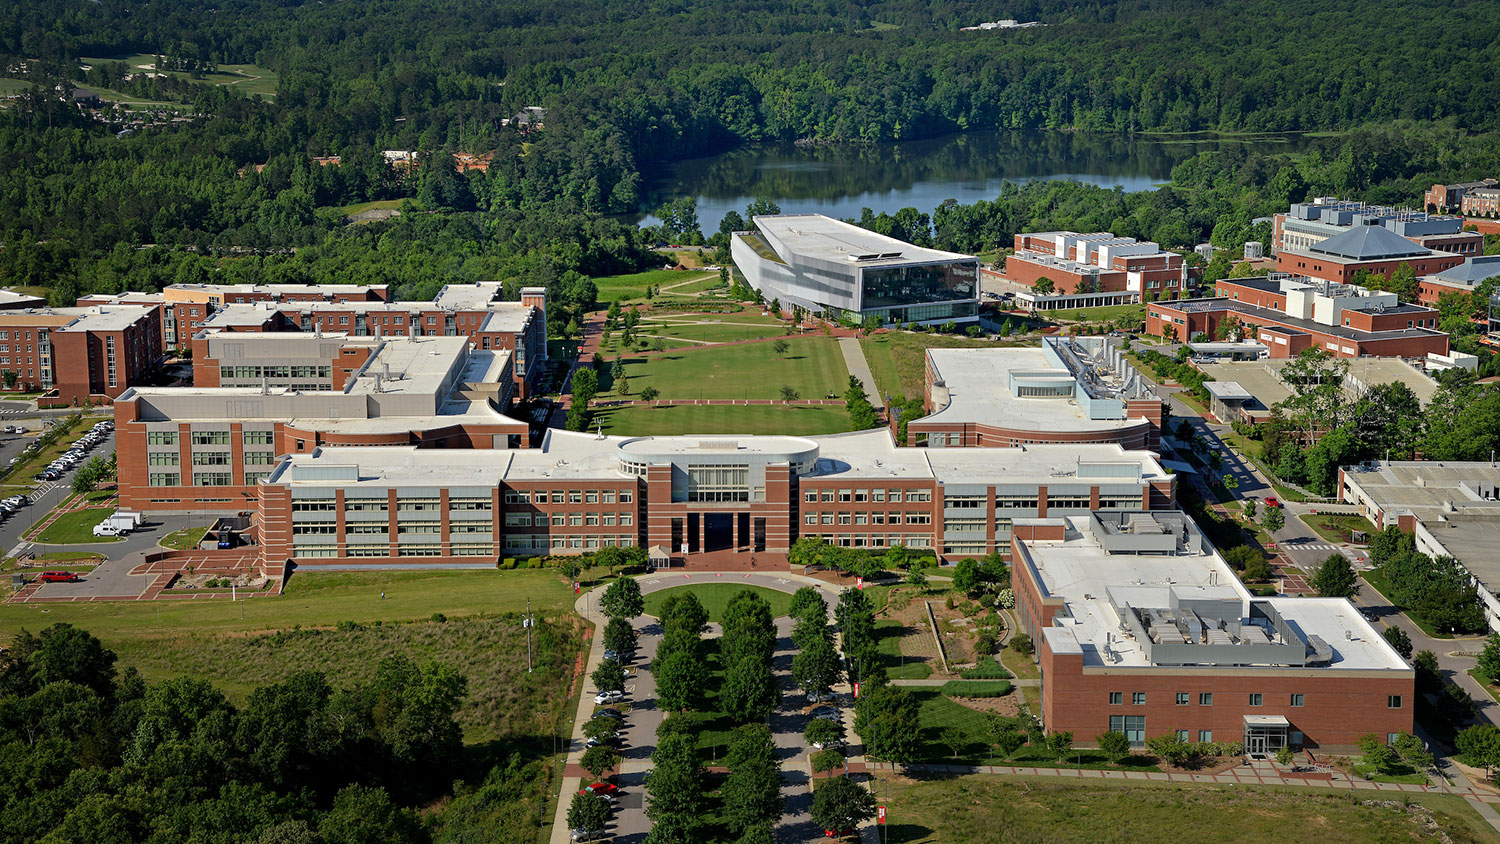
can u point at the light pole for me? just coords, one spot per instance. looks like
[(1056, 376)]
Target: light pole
[(528, 622)]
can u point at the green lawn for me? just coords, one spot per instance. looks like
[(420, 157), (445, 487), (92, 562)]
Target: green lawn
[(77, 526), (813, 366), (624, 288), (714, 330), (695, 287), (988, 809), (1107, 313), (185, 539), (898, 359), (794, 420), (1336, 528), (246, 78), (377, 205), (15, 86), (311, 600), (715, 597), (888, 632)]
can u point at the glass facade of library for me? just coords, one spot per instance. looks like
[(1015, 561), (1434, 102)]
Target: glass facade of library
[(921, 293)]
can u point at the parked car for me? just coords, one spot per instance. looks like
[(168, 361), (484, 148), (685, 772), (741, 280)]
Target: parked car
[(824, 745), (599, 740), (586, 835), (606, 790), (609, 712), (819, 697), (106, 529), (59, 577), (609, 696), (827, 713)]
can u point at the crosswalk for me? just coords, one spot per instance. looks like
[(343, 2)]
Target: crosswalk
[(1317, 546)]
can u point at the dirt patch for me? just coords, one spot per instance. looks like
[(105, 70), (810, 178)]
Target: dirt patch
[(916, 634), (1009, 705), (251, 582), (1213, 765)]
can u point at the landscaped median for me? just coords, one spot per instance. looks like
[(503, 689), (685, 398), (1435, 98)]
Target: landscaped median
[(75, 527)]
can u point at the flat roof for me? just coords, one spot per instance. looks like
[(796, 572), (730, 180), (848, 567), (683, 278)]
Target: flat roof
[(1093, 582), (1262, 379), (476, 296), (104, 317), (979, 392), (416, 365), (821, 236), (35, 317), (1428, 489), (1305, 326), (863, 456), (11, 297)]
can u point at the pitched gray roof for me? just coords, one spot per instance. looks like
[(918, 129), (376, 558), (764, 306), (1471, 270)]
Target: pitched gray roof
[(1472, 271), (1367, 243)]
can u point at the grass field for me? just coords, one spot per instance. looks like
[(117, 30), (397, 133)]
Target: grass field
[(1336, 528), (182, 540), (813, 367), (1106, 313), (311, 600), (15, 86), (76, 527), (715, 597), (888, 632), (632, 286), (898, 358), (987, 810), (377, 205), (793, 420), (694, 287), (246, 78)]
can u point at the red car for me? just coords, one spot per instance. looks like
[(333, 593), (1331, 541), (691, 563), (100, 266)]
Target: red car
[(838, 833), (603, 789), (1272, 502), (59, 577)]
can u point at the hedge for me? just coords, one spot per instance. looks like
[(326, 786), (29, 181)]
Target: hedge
[(976, 688), (987, 670)]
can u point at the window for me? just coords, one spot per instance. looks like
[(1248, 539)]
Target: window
[(314, 529), (1205, 736), (609, 496), (1138, 698), (1296, 700), (468, 504), (209, 438), (575, 496), (210, 458), (211, 479), (1133, 726), (163, 458), (810, 519), (1182, 698), (1255, 698), (367, 528), (161, 438), (1391, 738), (591, 498), (470, 527), (521, 519), (825, 518), (1182, 735), (315, 505), (367, 505), (625, 497), (919, 518), (163, 479), (257, 437), (1116, 698), (1393, 702), (259, 458), (419, 527), (1205, 698), (518, 497)]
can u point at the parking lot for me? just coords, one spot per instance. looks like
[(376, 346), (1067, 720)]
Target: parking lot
[(44, 495)]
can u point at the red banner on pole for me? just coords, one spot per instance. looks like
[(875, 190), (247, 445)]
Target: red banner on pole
[(856, 690), (880, 814), (859, 583)]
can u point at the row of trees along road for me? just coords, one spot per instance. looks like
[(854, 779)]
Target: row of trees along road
[(621, 602), (676, 786)]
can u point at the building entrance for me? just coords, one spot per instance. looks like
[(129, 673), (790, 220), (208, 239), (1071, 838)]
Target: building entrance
[(718, 531)]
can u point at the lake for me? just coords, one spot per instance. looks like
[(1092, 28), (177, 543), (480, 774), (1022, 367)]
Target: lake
[(841, 180)]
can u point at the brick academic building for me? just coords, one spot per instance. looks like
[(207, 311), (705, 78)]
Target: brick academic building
[(79, 355), (1289, 313), (1094, 269), (1142, 628), (689, 497)]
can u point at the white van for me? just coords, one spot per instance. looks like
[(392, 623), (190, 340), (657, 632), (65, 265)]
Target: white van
[(106, 529)]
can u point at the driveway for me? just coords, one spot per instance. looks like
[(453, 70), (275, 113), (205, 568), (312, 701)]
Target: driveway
[(630, 824)]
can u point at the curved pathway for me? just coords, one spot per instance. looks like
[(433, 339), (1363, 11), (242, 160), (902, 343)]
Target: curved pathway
[(629, 823)]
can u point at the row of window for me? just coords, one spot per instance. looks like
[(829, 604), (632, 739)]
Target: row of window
[(382, 505), (875, 540), (204, 478), (866, 518), (568, 496), (210, 437), (858, 495), (1207, 699), (573, 519), (277, 372)]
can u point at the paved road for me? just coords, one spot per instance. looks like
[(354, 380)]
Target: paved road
[(854, 360), (630, 823)]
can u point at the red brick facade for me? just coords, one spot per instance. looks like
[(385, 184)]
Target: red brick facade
[(1334, 269), (1286, 339), (80, 357)]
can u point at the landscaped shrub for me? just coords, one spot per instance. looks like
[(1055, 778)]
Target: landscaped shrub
[(976, 688), (987, 670)]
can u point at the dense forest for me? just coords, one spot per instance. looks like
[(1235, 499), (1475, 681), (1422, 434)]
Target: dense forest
[(229, 191)]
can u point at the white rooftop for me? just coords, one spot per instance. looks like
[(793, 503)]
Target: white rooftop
[(819, 236), (103, 317), (476, 296), (979, 392), (1094, 583), (11, 298)]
